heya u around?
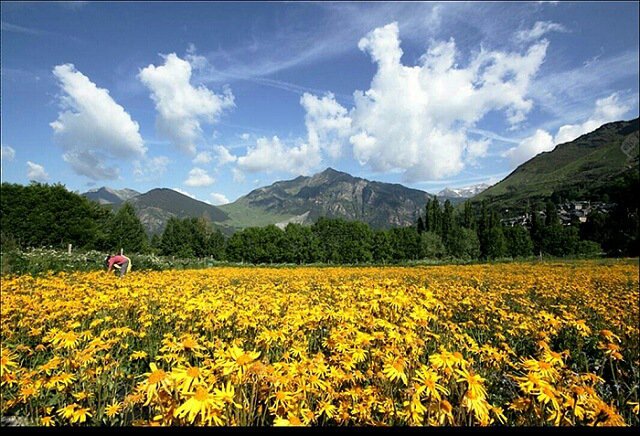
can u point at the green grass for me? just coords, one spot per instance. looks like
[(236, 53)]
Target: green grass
[(242, 215)]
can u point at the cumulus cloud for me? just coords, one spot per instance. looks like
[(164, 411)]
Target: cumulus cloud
[(238, 176), (271, 155), (415, 119), (204, 157), (535, 144), (606, 110), (150, 169), (199, 177), (223, 155), (36, 172), (218, 199), (8, 153), (328, 126), (327, 122), (92, 128), (539, 29), (188, 194), (182, 107), (90, 163)]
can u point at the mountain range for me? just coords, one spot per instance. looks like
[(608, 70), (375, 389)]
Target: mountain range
[(463, 193), (584, 166)]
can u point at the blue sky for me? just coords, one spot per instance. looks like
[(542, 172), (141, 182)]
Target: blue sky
[(217, 98)]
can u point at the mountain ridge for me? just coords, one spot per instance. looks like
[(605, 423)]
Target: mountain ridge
[(330, 193), (584, 167)]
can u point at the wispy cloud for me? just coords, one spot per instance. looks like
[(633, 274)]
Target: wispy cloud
[(8, 27), (568, 95), (14, 28), (539, 29), (340, 27), (73, 5), (494, 136)]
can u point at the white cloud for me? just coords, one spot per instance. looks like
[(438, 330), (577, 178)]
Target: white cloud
[(36, 172), (182, 107), (8, 153), (91, 164), (223, 155), (245, 136), (415, 119), (538, 30), (606, 110), (150, 169), (477, 150), (327, 123), (218, 199), (529, 147), (272, 155), (204, 157), (199, 177), (184, 193), (92, 127), (238, 176)]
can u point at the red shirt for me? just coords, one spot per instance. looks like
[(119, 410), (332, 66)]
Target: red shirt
[(116, 259)]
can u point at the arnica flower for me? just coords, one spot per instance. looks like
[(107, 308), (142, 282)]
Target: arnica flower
[(428, 383), (156, 380), (394, 369), (7, 361), (80, 415), (474, 382), (200, 403), (47, 421), (113, 409), (186, 377), (67, 411)]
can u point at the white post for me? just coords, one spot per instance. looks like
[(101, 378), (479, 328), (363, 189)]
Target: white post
[(121, 251), (69, 250)]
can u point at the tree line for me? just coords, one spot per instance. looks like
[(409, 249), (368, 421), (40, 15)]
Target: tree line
[(49, 215)]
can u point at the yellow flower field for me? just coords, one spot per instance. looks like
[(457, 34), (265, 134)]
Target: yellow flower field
[(506, 344)]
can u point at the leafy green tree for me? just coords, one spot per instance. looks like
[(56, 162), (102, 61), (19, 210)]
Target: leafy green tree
[(560, 241), (405, 244), (301, 245), (464, 243), (496, 244), (126, 231), (235, 248), (468, 216), (431, 246), (536, 230), (176, 240), (588, 248), (357, 242), (447, 222), (215, 245), (273, 240), (551, 214), (420, 225), (40, 215), (518, 241), (155, 242), (382, 250), (330, 234), (433, 221)]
